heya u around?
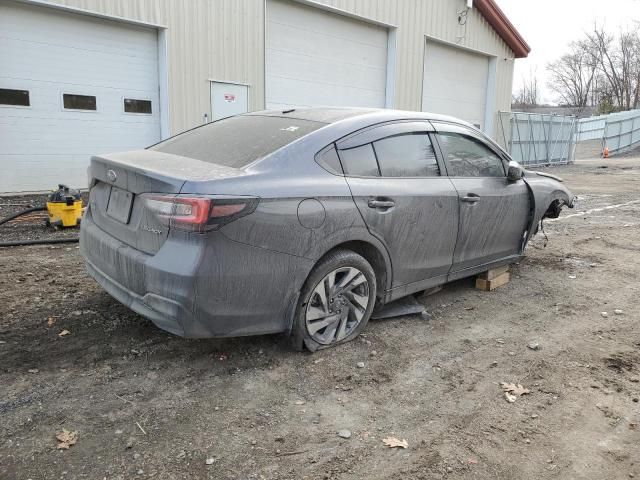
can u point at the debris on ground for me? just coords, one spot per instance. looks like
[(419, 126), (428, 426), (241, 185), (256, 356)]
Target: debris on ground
[(513, 391), (210, 461), (403, 306), (393, 442), (64, 333), (533, 346), (604, 314), (66, 439), (617, 311), (344, 433), (140, 427), (360, 364)]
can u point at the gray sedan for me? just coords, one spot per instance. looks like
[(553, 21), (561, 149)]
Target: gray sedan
[(302, 221)]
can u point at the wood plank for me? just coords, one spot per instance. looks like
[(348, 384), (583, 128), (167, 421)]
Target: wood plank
[(494, 272), (487, 285)]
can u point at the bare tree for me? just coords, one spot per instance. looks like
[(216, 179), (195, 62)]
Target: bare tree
[(618, 60), (529, 94), (572, 75)]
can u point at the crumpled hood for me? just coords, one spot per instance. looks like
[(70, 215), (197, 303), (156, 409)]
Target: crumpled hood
[(543, 174)]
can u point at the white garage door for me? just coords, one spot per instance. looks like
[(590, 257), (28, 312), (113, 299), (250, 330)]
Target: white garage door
[(455, 83), (314, 57), (71, 86)]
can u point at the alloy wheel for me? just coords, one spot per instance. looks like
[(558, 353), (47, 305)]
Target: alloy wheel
[(337, 305)]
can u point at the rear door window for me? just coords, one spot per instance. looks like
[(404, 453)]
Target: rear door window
[(468, 157), (237, 141), (409, 155), (360, 161)]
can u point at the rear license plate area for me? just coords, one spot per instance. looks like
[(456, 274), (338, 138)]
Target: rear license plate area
[(119, 205)]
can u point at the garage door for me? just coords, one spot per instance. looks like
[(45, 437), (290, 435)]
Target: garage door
[(455, 82), (71, 86), (315, 57)]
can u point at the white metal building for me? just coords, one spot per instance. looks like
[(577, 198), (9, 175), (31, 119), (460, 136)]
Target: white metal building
[(83, 77)]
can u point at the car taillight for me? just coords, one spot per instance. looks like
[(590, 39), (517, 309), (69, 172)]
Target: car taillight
[(198, 213)]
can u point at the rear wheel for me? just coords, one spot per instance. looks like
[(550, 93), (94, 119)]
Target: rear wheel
[(336, 301)]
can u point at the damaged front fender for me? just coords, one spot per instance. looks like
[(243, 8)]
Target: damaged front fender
[(548, 196)]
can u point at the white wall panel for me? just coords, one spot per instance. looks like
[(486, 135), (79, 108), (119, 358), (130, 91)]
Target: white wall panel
[(315, 57), (455, 82)]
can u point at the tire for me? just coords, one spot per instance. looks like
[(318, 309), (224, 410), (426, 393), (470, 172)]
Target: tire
[(348, 284)]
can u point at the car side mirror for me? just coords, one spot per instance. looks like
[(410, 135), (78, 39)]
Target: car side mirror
[(515, 171)]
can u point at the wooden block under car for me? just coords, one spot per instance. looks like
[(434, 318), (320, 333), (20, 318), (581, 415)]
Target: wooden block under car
[(494, 278)]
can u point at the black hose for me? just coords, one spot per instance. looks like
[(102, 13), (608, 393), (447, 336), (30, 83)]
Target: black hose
[(17, 243), (23, 212)]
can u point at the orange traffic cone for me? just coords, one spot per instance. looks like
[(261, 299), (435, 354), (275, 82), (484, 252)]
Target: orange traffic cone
[(605, 152)]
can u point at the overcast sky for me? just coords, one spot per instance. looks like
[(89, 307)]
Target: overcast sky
[(549, 26)]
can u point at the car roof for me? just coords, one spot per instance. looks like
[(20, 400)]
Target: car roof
[(331, 115)]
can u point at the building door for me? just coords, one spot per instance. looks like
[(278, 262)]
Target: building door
[(320, 58), (71, 86), (228, 99), (455, 83)]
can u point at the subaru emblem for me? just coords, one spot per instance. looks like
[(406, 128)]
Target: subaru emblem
[(111, 175)]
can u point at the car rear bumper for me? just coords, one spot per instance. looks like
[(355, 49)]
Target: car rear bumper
[(166, 314), (198, 286)]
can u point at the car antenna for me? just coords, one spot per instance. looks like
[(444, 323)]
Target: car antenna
[(289, 111)]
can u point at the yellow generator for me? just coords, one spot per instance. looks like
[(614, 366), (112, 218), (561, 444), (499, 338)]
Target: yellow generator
[(64, 207)]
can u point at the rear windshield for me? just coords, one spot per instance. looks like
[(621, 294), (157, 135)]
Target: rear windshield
[(237, 141)]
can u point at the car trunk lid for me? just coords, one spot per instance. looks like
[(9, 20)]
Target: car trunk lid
[(120, 181)]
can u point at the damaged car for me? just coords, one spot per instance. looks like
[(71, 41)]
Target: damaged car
[(303, 221)]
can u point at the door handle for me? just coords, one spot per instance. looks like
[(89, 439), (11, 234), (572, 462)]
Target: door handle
[(471, 198), (381, 203)]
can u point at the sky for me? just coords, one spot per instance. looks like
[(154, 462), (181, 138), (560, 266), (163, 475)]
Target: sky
[(548, 26)]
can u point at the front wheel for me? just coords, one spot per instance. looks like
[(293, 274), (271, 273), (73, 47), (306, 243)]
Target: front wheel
[(336, 301)]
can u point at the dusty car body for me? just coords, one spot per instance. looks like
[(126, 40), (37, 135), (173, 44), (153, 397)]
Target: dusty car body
[(302, 221)]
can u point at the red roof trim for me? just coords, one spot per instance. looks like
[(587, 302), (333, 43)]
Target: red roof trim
[(501, 24)]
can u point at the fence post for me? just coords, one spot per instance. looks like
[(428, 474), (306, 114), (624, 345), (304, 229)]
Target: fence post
[(549, 129), (605, 131), (515, 119), (574, 135), (546, 136), (530, 142), (568, 142), (556, 140)]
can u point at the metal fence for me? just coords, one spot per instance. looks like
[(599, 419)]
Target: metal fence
[(538, 138), (547, 139), (623, 133), (594, 128)]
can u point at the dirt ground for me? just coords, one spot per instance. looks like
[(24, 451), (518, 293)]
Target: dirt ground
[(146, 404)]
